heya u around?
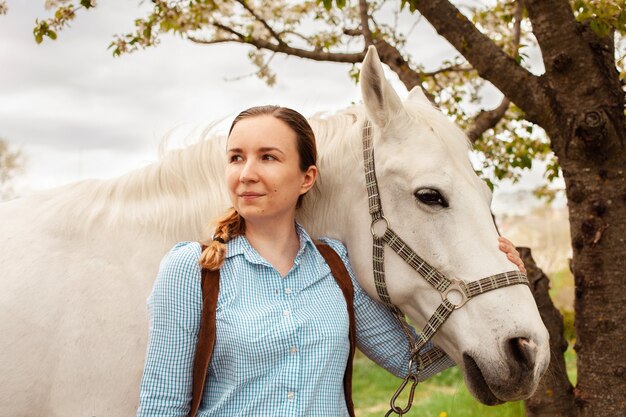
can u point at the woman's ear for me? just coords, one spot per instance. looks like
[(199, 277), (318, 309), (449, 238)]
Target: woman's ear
[(310, 176)]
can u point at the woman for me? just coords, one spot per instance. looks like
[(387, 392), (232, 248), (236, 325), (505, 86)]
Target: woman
[(281, 340)]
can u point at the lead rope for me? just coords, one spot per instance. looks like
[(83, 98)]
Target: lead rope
[(459, 291)]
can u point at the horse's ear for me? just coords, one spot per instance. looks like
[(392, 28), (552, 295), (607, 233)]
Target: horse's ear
[(417, 95), (381, 101)]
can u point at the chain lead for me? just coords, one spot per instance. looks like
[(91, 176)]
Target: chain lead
[(395, 408)]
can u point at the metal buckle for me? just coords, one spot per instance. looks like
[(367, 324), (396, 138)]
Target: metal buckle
[(376, 222), (455, 294)]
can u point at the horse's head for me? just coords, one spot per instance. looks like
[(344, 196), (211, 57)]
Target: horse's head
[(434, 201)]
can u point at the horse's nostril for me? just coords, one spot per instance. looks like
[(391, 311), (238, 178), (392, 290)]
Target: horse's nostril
[(524, 352)]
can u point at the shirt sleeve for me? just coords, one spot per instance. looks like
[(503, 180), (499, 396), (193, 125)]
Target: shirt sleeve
[(378, 334), (175, 307)]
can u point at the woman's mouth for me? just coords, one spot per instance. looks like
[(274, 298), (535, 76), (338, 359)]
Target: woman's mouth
[(249, 195)]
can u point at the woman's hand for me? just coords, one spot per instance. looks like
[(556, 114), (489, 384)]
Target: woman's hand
[(507, 247)]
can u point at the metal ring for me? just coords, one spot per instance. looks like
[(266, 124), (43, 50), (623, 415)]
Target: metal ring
[(456, 286), (374, 222)]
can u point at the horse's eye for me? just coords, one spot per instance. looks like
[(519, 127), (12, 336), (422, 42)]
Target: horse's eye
[(431, 197)]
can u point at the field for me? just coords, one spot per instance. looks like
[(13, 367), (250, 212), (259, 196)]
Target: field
[(445, 395)]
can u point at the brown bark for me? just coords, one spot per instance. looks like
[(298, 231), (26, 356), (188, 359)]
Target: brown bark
[(555, 395), (486, 120), (596, 191), (365, 27), (588, 137)]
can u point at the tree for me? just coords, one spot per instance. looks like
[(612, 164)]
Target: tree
[(578, 100), (10, 165)]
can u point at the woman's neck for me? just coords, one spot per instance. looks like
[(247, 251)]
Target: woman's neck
[(278, 243)]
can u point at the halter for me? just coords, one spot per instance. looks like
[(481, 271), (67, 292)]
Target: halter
[(454, 293)]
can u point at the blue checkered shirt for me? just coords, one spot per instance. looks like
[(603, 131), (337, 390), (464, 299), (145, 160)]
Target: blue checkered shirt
[(281, 344)]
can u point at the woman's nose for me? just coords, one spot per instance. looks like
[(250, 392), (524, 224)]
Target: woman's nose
[(249, 172)]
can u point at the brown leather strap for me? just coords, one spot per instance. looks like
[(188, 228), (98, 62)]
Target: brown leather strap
[(206, 336), (339, 271)]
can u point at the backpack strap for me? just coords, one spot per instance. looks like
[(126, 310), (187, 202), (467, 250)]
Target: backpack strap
[(206, 337), (341, 275)]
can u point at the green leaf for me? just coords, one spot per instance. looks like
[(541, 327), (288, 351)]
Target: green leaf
[(39, 30), (328, 4), (341, 3), (86, 4), (51, 34)]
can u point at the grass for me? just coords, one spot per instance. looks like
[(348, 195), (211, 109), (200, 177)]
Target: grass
[(445, 395)]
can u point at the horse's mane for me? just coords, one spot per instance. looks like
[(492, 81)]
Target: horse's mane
[(171, 195), (176, 194)]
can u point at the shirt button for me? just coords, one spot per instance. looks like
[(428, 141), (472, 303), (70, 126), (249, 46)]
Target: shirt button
[(286, 313), (293, 349), (290, 395), (287, 290)]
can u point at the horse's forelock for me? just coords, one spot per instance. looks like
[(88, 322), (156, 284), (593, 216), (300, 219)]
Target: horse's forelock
[(453, 138)]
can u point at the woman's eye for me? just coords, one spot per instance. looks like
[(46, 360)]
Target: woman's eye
[(235, 158), (430, 197), (268, 157)]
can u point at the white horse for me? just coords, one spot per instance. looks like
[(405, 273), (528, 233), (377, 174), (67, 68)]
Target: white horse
[(77, 262)]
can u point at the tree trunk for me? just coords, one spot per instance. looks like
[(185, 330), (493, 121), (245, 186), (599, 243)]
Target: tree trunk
[(555, 395), (589, 140), (596, 191)]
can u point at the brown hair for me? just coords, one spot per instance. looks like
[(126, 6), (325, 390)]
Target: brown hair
[(231, 224)]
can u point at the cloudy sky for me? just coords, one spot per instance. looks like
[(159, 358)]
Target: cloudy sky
[(76, 112)]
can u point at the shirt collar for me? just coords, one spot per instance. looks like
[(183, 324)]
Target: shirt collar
[(239, 245)]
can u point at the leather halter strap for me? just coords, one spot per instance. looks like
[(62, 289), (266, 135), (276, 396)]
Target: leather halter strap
[(454, 293)]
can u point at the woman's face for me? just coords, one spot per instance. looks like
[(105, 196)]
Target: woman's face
[(263, 169)]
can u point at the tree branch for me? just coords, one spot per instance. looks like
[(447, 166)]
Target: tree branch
[(296, 34), (275, 35), (211, 41), (451, 68), (566, 53), (391, 56), (240, 36), (365, 27), (543, 14), (283, 48), (517, 27), (352, 32), (486, 57), (486, 120)]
